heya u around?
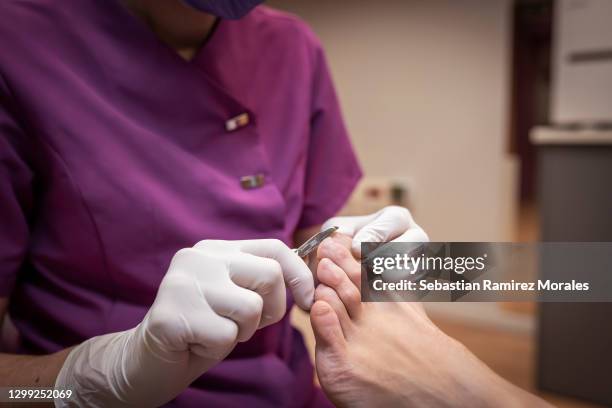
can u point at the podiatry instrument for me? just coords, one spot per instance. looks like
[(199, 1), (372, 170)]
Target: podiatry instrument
[(313, 242)]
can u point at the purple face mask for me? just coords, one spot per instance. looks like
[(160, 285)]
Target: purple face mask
[(229, 9)]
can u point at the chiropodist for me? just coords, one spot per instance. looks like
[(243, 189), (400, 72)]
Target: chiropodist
[(131, 130)]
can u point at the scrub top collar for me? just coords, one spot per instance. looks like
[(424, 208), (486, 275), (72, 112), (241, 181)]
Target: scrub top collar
[(128, 29), (141, 30)]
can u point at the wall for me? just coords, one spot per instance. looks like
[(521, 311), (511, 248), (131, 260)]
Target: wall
[(424, 87), (582, 91)]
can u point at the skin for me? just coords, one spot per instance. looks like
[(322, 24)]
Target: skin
[(41, 371), (391, 354), (351, 358), (183, 29), (179, 26)]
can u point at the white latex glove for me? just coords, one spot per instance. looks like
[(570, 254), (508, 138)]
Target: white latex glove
[(214, 295), (392, 223)]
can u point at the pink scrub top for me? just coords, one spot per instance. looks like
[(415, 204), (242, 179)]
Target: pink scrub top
[(115, 153)]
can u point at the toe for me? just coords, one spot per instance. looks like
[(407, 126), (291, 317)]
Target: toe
[(326, 327), (325, 247), (329, 296), (341, 256), (336, 278)]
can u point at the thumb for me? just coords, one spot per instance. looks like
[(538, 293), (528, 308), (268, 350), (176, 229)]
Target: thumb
[(387, 224), (348, 225), (296, 274), (414, 234)]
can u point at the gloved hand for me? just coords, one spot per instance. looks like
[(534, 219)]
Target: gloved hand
[(392, 223), (214, 295)]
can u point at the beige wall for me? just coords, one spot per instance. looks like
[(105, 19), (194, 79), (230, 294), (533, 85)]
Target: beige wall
[(424, 87)]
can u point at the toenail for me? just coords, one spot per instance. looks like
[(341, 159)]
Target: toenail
[(322, 309)]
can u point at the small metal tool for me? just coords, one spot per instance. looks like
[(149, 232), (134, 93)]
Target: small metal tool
[(313, 242)]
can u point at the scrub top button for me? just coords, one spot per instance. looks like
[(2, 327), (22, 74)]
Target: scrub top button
[(252, 181), (237, 122)]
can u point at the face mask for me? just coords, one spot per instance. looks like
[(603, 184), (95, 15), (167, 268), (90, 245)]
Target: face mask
[(229, 9)]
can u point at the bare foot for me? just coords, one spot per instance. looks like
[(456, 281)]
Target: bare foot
[(391, 354)]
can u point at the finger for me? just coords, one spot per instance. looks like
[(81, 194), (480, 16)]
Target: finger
[(341, 256), (240, 305), (348, 225), (264, 276), (329, 296), (387, 224), (416, 234), (212, 336), (326, 328), (296, 274)]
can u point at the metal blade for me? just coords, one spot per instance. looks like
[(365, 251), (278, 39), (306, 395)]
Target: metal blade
[(307, 247)]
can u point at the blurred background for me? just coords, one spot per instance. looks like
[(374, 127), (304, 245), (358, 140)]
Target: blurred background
[(492, 121)]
